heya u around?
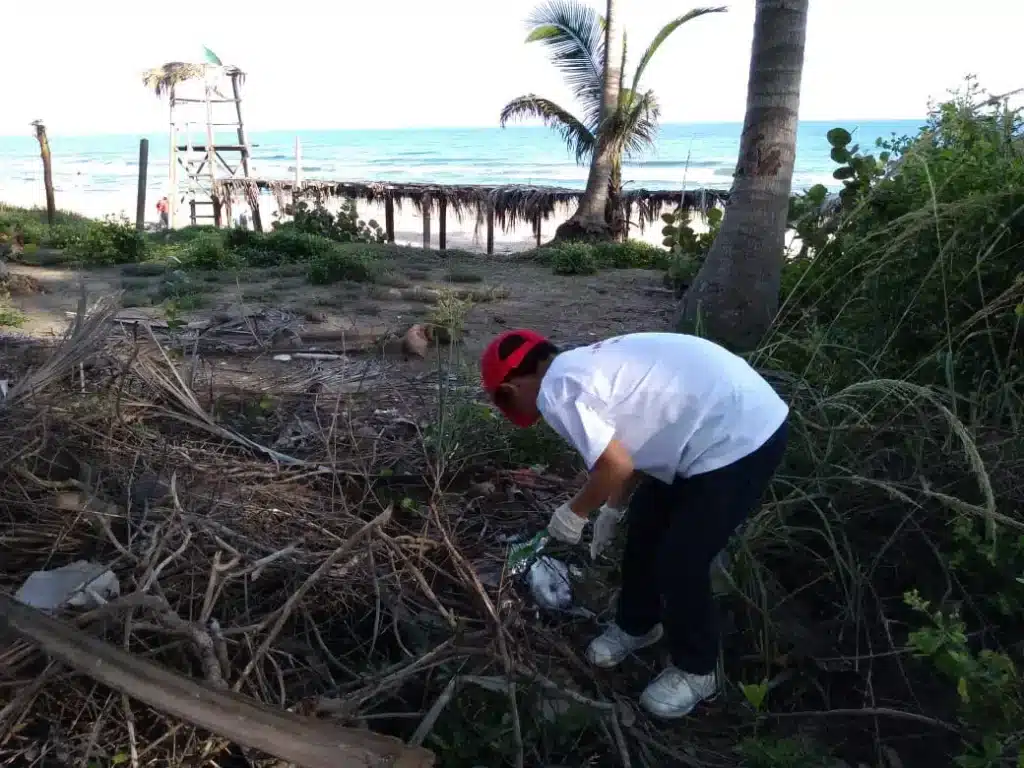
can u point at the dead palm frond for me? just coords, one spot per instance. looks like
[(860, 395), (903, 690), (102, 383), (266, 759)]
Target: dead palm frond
[(81, 341), (161, 79)]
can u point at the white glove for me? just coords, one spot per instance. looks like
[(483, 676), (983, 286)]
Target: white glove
[(566, 525), (604, 529)]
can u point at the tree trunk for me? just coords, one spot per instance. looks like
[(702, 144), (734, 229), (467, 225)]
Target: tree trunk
[(588, 222), (44, 151), (614, 213), (735, 295)]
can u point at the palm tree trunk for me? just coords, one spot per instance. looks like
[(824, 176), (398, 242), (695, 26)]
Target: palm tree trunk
[(614, 212), (588, 222), (735, 295)]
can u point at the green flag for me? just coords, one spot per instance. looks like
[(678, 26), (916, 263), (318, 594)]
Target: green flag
[(211, 58)]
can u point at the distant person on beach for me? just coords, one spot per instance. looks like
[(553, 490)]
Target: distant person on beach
[(164, 209)]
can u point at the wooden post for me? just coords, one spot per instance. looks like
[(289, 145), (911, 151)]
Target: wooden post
[(192, 212), (236, 90), (442, 224), (44, 151), (216, 210), (298, 162), (172, 196), (389, 216), (536, 228), (425, 208), (490, 231), (140, 202), (211, 152)]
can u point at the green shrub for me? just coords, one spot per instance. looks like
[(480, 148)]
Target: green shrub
[(111, 241), (188, 234), (574, 258), (898, 349), (687, 250), (680, 271), (237, 238), (922, 267), (291, 245), (343, 227), (10, 316), (339, 264), (989, 687), (27, 229), (64, 236), (631, 254), (209, 252)]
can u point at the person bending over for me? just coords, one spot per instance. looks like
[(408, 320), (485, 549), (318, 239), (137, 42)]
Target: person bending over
[(684, 431)]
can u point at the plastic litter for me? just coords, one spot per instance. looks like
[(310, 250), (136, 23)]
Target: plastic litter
[(549, 583), (81, 584), (521, 555)]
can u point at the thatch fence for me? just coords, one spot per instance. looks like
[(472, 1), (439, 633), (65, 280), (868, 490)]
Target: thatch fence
[(502, 206)]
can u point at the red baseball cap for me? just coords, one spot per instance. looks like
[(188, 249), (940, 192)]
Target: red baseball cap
[(494, 369)]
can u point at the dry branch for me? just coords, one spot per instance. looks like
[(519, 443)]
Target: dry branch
[(285, 735)]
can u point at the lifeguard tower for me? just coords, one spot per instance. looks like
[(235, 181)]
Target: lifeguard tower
[(207, 135)]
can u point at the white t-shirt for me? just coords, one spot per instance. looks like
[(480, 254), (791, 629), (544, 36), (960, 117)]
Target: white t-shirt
[(680, 404)]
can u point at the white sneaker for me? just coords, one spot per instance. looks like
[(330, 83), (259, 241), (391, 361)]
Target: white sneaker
[(614, 645), (675, 693)]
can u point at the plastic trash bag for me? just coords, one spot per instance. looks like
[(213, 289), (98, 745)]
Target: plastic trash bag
[(77, 585), (548, 579)]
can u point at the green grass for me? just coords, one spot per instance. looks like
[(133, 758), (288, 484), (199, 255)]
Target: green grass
[(11, 316)]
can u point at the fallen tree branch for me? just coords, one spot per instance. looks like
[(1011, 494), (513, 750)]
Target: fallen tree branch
[(284, 735)]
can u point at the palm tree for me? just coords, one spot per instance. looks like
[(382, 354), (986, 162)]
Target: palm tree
[(618, 117), (735, 295)]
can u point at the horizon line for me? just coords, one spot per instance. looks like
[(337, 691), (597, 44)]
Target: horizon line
[(425, 128)]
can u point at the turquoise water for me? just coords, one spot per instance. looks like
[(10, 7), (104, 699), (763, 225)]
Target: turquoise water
[(90, 171)]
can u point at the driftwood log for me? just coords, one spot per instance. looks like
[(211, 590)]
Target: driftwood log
[(287, 736)]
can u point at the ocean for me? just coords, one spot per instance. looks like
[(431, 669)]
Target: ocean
[(97, 175)]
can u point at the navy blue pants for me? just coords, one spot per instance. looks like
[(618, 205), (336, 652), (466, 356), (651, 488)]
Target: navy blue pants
[(673, 533)]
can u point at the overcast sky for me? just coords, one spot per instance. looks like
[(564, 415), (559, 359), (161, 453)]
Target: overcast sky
[(320, 64)]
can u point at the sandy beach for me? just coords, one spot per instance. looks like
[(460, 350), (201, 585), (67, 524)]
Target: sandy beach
[(462, 235)]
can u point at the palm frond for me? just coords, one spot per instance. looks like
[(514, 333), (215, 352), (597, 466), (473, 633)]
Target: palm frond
[(635, 125), (574, 133), (574, 36), (663, 35)]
